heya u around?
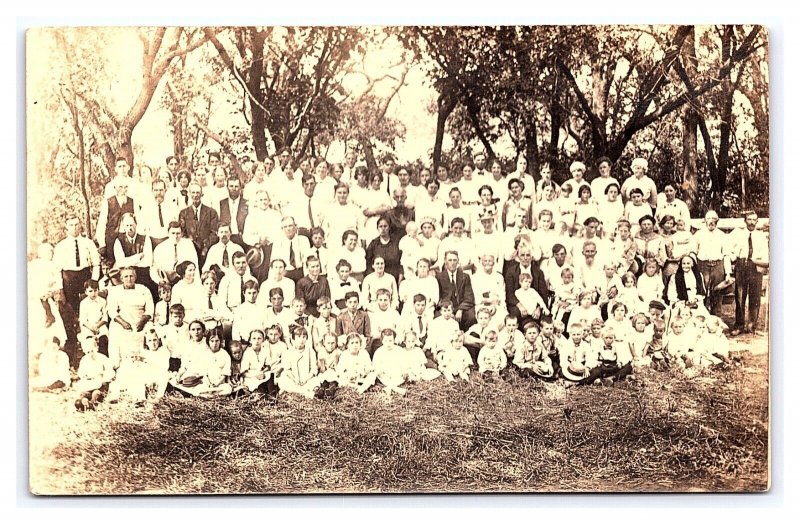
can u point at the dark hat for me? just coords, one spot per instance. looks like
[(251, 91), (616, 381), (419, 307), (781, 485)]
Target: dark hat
[(255, 257)]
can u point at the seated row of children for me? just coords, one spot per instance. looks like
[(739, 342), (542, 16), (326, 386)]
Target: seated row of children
[(192, 361)]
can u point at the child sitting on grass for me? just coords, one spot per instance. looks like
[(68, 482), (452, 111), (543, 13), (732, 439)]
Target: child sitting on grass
[(655, 352), (578, 364), (299, 363), (328, 358), (615, 359), (586, 311), (389, 365), (566, 295), (236, 350), (683, 346), (475, 336), (533, 361), (220, 365), (714, 343), (324, 324), (493, 357), (509, 339), (639, 338), (355, 367), (416, 365), (53, 368), (441, 328), (455, 361), (547, 343), (95, 372)]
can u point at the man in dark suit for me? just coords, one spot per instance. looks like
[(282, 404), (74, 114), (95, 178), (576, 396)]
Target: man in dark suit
[(199, 223), (513, 270), (456, 285), (233, 210)]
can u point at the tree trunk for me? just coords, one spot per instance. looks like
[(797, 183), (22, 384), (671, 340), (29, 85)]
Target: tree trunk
[(531, 145), (369, 155), (555, 122), (726, 113), (690, 117), (258, 120), (447, 104)]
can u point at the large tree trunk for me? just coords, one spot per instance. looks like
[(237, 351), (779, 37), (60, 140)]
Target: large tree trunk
[(258, 118), (369, 154), (690, 117), (446, 103), (531, 145), (726, 113)]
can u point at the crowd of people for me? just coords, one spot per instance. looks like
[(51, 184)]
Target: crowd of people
[(300, 277)]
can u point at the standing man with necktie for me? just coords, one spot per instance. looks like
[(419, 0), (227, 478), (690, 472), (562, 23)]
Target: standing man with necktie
[(221, 253), (199, 222), (160, 212), (752, 261), (292, 248), (231, 288), (79, 261), (233, 210)]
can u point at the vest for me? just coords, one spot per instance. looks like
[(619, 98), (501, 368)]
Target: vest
[(115, 212)]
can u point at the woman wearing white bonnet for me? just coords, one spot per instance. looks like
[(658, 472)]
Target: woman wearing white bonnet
[(640, 179)]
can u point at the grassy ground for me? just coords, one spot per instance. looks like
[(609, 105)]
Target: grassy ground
[(661, 432)]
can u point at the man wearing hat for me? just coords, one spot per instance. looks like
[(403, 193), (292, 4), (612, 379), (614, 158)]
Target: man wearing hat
[(751, 248), (712, 247), (456, 285)]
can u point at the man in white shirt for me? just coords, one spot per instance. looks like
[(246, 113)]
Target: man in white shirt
[(170, 253), (78, 259), (221, 253), (122, 172), (668, 204), (292, 248), (712, 247), (158, 213), (231, 288), (234, 210), (307, 209), (751, 248)]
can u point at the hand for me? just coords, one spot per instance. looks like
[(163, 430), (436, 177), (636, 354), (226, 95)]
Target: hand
[(126, 325), (523, 311), (459, 315)]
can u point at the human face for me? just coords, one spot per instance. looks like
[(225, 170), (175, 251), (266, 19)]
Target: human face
[(576, 335), (209, 285), (525, 284), (522, 164), (591, 230), (352, 304), (250, 295), (73, 227), (383, 228), (177, 319), (487, 262), (457, 229), (151, 340), (486, 196), (586, 300), (289, 228), (647, 227), (122, 168), (317, 239), (234, 189), (219, 177), (548, 192), (451, 262), (224, 234), (547, 330), (480, 161), (284, 159), (278, 268), (260, 172), (677, 327), (236, 351), (195, 193), (441, 173), (300, 340), (483, 318), (560, 256), (273, 335), (383, 302), (122, 189), (321, 170), (668, 226), (751, 221), (640, 325), (589, 251), (344, 273), (341, 195), (637, 198), (613, 194), (262, 200), (466, 172), (584, 194), (638, 171), (686, 264), (277, 302), (624, 232), (128, 226), (240, 265), (432, 188), (308, 187), (608, 340), (670, 193), (422, 269), (375, 183), (455, 199), (447, 312), (379, 265), (196, 332), (354, 346), (404, 177), (427, 229), (497, 171), (424, 177), (350, 242), (214, 343), (325, 310), (515, 190), (128, 278), (596, 329), (619, 314), (91, 293), (419, 307), (159, 190), (491, 341), (350, 159), (256, 340), (577, 174), (605, 169), (314, 269), (511, 325)]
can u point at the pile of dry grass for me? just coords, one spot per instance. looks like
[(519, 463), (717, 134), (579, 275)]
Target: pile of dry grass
[(661, 432)]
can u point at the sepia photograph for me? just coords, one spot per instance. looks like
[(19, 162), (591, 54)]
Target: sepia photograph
[(398, 259)]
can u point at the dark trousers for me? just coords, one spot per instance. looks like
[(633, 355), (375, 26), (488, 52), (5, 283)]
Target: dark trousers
[(748, 291), (713, 273), (73, 287), (615, 371)]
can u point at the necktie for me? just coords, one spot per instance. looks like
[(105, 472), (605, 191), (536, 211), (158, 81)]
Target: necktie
[(291, 254), (78, 254), (209, 303), (160, 216), (419, 319), (343, 284), (750, 246), (310, 214), (176, 254), (185, 196), (242, 290)]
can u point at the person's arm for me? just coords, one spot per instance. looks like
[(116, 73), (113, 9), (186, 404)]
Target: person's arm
[(148, 309)]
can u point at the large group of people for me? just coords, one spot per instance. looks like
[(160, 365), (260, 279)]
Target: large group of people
[(282, 277)]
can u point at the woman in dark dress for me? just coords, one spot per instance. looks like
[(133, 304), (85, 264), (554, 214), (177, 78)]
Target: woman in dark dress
[(387, 247)]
